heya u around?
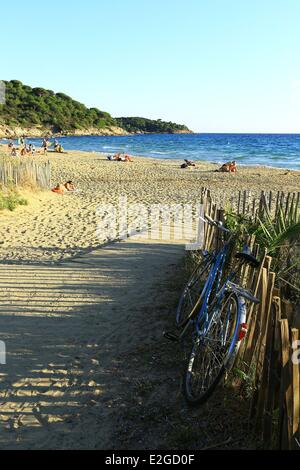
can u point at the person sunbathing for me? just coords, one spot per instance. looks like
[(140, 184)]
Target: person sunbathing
[(225, 168), (59, 189), (233, 167), (189, 163), (70, 186)]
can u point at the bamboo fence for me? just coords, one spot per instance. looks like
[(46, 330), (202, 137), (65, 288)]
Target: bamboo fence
[(17, 172)]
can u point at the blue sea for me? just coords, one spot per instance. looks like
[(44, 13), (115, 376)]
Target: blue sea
[(275, 150)]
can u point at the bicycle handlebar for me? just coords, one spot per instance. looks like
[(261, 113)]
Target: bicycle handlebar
[(208, 220)]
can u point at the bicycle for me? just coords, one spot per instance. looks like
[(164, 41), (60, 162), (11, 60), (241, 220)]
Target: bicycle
[(214, 304)]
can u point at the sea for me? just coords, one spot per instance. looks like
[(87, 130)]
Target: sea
[(273, 150)]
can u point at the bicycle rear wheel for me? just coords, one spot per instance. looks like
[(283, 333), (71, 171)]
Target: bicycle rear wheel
[(211, 354), (192, 291)]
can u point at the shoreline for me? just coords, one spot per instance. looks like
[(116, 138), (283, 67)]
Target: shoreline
[(162, 159), (175, 158)]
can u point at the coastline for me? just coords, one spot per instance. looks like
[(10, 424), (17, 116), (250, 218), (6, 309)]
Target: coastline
[(198, 147), (200, 162)]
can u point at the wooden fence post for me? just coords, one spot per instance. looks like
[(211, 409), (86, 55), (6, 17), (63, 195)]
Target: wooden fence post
[(296, 379), (286, 409)]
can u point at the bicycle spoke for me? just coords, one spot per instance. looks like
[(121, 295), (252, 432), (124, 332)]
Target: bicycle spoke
[(210, 352)]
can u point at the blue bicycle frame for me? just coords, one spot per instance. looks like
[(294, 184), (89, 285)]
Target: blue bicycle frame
[(215, 273)]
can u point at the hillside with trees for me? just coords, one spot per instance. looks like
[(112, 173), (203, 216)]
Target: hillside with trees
[(143, 125), (30, 107), (40, 110)]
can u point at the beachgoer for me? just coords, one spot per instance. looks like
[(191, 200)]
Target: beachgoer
[(69, 185), (189, 163), (23, 152), (45, 145), (225, 168), (59, 188), (233, 167), (14, 152)]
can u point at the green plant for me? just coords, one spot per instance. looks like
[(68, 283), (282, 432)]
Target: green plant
[(278, 234), (11, 200)]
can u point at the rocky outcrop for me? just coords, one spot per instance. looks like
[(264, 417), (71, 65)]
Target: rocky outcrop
[(109, 131), (14, 132)]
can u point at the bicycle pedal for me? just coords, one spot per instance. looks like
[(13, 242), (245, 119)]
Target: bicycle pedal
[(171, 336)]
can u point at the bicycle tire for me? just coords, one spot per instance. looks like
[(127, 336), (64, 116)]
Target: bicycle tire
[(202, 351)]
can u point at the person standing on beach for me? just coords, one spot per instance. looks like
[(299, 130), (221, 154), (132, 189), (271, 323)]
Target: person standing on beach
[(45, 146)]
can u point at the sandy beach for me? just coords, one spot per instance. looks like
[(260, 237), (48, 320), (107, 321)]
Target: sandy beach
[(54, 227), (87, 364)]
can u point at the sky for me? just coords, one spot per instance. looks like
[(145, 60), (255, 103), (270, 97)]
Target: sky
[(214, 65)]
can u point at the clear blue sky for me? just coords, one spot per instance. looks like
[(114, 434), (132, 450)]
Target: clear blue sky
[(216, 65)]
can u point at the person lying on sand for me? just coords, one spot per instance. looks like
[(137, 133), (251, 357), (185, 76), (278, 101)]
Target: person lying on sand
[(70, 186), (233, 167), (229, 167), (188, 164), (120, 157), (59, 189), (114, 158)]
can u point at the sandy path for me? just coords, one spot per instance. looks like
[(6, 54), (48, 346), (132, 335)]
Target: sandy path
[(65, 327)]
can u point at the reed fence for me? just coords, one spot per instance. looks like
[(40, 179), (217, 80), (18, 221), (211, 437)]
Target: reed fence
[(268, 361), (251, 205), (17, 172)]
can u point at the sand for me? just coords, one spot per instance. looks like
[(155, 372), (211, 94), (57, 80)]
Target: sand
[(55, 227), (67, 329), (87, 366)]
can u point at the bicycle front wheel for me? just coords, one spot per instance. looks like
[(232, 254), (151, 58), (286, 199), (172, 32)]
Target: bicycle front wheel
[(211, 353)]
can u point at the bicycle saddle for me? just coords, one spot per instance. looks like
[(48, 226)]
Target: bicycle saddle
[(248, 257)]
